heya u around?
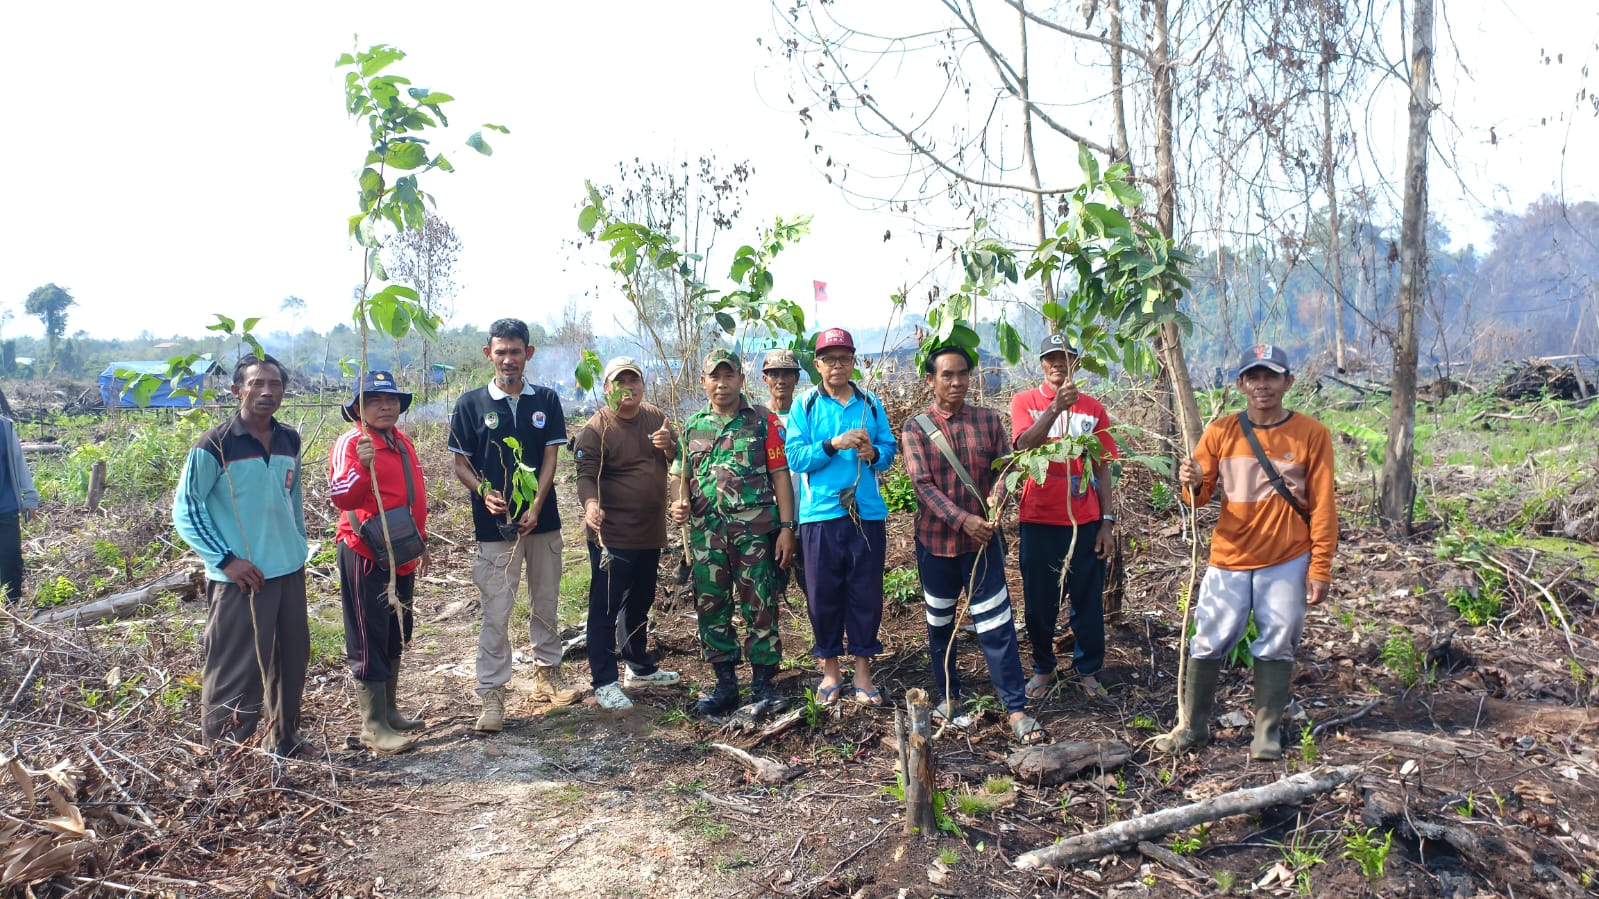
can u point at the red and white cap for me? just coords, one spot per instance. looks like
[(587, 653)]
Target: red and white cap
[(834, 337)]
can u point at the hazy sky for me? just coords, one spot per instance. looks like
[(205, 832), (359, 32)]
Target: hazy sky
[(166, 161)]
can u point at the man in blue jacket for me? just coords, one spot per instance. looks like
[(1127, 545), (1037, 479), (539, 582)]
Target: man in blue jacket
[(839, 438), (239, 505)]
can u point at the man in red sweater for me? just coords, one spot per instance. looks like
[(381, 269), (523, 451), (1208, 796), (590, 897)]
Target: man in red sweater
[(1271, 553)]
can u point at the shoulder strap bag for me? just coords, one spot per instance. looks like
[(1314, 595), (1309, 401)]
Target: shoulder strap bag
[(938, 438), (403, 534), (1271, 470)]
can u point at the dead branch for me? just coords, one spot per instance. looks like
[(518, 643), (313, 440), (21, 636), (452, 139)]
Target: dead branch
[(1287, 791), (121, 605), (765, 770), (1172, 860), (1060, 762)]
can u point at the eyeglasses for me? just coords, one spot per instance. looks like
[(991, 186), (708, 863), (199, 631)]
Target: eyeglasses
[(835, 361)]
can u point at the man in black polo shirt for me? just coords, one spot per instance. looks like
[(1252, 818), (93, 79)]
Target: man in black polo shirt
[(491, 429)]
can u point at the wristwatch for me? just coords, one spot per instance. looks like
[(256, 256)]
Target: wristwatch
[(1109, 518), (789, 525)]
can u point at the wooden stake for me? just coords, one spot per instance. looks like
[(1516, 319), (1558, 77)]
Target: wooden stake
[(921, 765), (96, 484)]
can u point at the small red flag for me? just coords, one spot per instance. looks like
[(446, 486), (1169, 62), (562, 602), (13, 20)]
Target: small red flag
[(821, 290)]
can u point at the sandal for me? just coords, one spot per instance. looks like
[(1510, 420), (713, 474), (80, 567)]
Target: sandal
[(828, 696), (1041, 686), (1029, 732), (948, 714), (1091, 685), (872, 698)]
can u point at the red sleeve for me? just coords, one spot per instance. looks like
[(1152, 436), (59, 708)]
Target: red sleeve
[(1020, 420), (776, 440), (349, 483)]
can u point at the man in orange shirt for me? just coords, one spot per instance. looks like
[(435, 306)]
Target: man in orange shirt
[(1271, 553)]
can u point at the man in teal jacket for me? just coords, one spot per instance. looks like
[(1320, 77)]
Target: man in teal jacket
[(839, 438), (239, 506)]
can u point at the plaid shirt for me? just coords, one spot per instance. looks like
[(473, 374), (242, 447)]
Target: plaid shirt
[(943, 502)]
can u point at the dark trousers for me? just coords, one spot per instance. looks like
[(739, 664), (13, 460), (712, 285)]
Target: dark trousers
[(982, 578), (795, 569), (11, 554), (844, 574), (620, 598), (1043, 555), (373, 633), (257, 647)]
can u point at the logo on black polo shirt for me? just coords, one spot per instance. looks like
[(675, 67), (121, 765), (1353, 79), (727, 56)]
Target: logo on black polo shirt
[(538, 419), (491, 420)]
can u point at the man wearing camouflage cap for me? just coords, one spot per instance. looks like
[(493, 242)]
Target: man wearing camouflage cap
[(781, 372), (733, 474)]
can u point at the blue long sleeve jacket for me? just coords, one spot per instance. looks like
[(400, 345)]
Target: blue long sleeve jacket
[(816, 418)]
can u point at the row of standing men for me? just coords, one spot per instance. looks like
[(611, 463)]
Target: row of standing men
[(768, 491)]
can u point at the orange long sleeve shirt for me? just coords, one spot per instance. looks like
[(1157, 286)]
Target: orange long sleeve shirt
[(1258, 528)]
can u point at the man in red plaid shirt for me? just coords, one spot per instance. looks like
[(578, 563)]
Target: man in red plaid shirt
[(957, 547)]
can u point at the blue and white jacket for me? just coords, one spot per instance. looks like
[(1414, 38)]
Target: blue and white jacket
[(239, 499)]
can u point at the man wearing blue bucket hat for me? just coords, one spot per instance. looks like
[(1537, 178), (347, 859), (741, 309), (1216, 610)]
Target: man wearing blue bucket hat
[(376, 460)]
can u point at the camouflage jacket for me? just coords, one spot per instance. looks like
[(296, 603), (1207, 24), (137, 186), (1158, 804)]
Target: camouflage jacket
[(729, 467)]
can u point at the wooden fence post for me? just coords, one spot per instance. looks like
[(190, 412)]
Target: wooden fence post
[(921, 765)]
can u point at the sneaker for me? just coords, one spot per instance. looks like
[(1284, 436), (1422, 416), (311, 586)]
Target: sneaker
[(660, 677), (611, 697)]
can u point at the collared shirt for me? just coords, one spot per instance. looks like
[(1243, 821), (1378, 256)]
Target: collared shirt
[(480, 424), (239, 499), (943, 501), (1065, 497), (813, 419)]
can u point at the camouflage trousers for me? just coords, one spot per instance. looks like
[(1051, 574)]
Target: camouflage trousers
[(734, 567)]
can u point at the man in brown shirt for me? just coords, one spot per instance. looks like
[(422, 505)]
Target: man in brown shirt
[(622, 457)]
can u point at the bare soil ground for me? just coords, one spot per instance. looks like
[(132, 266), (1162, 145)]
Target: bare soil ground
[(1479, 751)]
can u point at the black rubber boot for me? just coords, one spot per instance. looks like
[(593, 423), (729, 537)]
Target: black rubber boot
[(1198, 701), (1272, 685), (762, 685), (724, 698), (397, 721)]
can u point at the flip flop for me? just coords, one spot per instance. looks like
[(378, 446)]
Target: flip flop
[(1029, 732), (828, 696), (948, 713), (872, 698), (1044, 690)]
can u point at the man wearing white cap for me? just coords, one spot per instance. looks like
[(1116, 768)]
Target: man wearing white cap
[(623, 453)]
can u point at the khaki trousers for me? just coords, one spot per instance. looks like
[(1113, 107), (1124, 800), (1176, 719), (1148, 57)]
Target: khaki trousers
[(498, 575)]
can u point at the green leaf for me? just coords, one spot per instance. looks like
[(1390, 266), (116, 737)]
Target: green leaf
[(223, 324), (1088, 162), (250, 323), (500, 128), (374, 261), (253, 344), (1124, 193), (407, 155), (586, 220), (726, 322), (390, 317), (477, 143), (377, 58), (1010, 342), (366, 233)]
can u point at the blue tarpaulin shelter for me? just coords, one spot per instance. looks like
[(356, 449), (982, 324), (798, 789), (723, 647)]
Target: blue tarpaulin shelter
[(114, 390)]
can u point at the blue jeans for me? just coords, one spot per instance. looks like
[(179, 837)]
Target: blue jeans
[(944, 579)]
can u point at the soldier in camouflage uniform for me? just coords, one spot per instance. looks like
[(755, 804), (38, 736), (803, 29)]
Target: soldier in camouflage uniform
[(737, 490)]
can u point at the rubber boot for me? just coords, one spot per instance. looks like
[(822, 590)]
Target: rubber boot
[(762, 685), (375, 732), (396, 720), (725, 697), (1272, 681), (1197, 703)]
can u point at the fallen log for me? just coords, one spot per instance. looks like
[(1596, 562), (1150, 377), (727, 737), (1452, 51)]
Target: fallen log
[(1059, 762), (121, 605), (765, 770), (1123, 834)]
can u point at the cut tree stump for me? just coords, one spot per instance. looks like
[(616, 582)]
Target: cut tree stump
[(1124, 834), (96, 484), (121, 605), (1059, 762), (920, 765)]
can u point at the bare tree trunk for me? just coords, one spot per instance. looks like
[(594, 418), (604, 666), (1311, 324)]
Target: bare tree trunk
[(1040, 229), (1169, 345), (1335, 259), (1118, 98), (1398, 486)]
